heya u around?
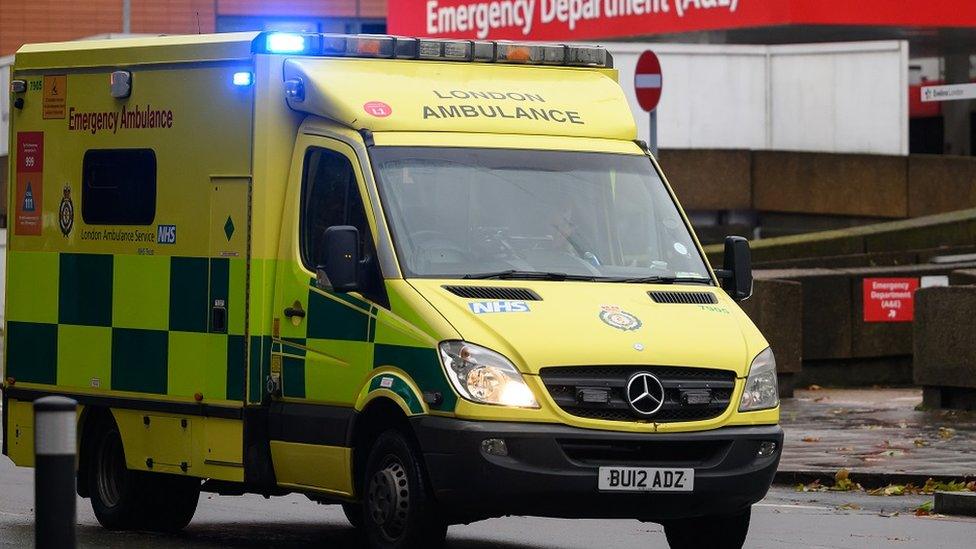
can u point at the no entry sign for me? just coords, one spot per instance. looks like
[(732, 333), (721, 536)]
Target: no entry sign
[(889, 299), (648, 81)]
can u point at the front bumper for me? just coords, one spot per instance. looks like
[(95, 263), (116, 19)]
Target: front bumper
[(551, 470)]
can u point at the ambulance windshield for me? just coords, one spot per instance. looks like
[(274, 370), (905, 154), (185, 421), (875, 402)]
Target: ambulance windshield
[(500, 213)]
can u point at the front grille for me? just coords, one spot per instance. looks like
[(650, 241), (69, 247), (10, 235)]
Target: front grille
[(692, 453), (692, 298), (568, 384), (494, 292)]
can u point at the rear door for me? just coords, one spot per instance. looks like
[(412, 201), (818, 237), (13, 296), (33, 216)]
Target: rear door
[(227, 299)]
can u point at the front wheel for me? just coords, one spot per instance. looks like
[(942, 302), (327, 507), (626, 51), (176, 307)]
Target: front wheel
[(354, 514), (716, 532), (397, 510)]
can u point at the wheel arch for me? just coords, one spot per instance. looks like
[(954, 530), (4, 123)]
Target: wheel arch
[(386, 401)]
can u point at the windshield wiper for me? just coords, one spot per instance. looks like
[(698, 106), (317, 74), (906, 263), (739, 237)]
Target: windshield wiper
[(513, 274), (659, 279)]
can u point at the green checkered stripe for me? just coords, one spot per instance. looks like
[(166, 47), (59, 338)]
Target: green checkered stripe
[(126, 323), (340, 321)]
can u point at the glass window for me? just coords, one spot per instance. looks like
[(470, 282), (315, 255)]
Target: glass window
[(467, 211), (119, 187), (330, 197)]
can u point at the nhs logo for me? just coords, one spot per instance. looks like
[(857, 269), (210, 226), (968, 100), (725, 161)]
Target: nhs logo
[(481, 307), (166, 234)]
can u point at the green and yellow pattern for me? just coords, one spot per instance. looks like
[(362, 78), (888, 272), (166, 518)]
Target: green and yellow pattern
[(139, 324)]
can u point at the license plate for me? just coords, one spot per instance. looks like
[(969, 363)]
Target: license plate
[(646, 479)]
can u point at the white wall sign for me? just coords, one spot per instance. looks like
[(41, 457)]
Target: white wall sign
[(953, 92)]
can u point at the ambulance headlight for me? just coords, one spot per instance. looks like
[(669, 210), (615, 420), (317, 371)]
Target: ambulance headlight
[(484, 376), (761, 391)]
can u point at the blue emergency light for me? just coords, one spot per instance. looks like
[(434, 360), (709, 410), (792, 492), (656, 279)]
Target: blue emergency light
[(243, 78), (285, 42)]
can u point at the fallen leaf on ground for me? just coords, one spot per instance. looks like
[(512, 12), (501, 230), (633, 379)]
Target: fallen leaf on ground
[(810, 439), (849, 507), (945, 433), (814, 388), (924, 509), (814, 486), (843, 482), (888, 515), (889, 490), (919, 443)]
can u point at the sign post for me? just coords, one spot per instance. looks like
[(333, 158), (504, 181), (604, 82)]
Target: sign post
[(55, 450), (648, 83)]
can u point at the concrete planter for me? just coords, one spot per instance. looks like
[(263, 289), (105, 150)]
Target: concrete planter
[(944, 346)]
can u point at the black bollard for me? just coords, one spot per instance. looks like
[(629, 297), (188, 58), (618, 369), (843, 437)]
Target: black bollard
[(54, 472)]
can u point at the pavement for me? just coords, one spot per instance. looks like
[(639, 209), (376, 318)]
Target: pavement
[(877, 434), (852, 427), (785, 518)]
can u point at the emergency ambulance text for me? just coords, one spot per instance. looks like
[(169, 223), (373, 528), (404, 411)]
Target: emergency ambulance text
[(134, 118)]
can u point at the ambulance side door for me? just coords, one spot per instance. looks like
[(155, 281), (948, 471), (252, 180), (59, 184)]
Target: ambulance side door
[(322, 351)]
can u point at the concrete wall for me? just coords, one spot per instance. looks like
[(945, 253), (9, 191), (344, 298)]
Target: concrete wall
[(710, 179), (821, 184), (948, 230), (776, 307), (944, 347), (939, 184), (830, 184), (838, 346), (842, 97)]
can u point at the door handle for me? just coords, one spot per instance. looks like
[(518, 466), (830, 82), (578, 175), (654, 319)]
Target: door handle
[(295, 310)]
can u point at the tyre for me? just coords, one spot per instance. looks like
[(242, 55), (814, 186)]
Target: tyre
[(354, 514), (115, 490), (172, 502), (397, 510), (123, 499), (715, 532)]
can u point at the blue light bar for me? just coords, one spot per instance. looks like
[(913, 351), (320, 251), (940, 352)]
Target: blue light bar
[(243, 79), (284, 42), (399, 47)]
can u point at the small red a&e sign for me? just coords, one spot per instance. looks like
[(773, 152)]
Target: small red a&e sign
[(889, 299)]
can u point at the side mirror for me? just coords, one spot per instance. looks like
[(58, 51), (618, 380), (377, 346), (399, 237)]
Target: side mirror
[(337, 259), (736, 273)]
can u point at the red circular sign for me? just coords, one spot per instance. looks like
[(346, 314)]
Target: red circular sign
[(378, 109), (648, 81)]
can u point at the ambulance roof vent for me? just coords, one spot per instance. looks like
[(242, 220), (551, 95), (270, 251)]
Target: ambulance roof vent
[(693, 298), (494, 292), (430, 49)]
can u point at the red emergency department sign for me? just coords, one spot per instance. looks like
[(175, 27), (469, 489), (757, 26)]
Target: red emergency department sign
[(597, 19), (889, 299), (648, 81)]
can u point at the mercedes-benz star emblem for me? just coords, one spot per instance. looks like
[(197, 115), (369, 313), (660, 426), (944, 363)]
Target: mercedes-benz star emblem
[(645, 394)]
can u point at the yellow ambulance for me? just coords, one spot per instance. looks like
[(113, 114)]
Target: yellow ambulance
[(433, 281)]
